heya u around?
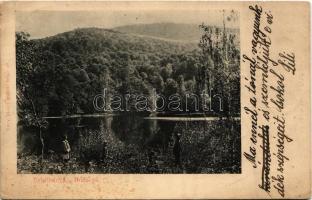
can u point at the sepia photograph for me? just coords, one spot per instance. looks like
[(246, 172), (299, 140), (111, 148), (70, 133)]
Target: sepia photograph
[(128, 92)]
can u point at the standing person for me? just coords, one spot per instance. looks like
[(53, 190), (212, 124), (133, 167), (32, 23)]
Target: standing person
[(66, 149), (104, 150), (177, 150)]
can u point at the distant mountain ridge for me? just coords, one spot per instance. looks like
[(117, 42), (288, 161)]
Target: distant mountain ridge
[(168, 31), (171, 31), (99, 39)]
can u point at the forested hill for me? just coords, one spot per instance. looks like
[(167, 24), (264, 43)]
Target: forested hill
[(98, 40), (61, 74)]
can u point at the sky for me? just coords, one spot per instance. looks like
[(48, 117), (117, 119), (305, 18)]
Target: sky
[(41, 24)]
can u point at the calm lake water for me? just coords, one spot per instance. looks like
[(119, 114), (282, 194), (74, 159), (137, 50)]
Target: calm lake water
[(136, 143)]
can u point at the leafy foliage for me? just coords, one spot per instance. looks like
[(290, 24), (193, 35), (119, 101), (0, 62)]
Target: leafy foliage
[(63, 73)]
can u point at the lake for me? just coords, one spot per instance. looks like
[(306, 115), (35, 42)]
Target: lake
[(136, 143)]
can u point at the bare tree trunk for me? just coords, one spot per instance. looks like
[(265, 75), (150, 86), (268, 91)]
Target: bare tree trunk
[(40, 131)]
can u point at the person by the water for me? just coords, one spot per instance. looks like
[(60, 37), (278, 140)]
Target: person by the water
[(177, 149), (66, 149)]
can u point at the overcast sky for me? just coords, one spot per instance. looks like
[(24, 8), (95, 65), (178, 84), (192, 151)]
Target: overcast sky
[(46, 23)]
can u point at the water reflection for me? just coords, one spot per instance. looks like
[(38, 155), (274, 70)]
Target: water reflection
[(134, 143)]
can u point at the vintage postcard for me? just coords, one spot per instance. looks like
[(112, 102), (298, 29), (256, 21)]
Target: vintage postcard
[(155, 100)]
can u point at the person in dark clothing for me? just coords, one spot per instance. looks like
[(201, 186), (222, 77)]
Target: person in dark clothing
[(177, 150), (66, 149)]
